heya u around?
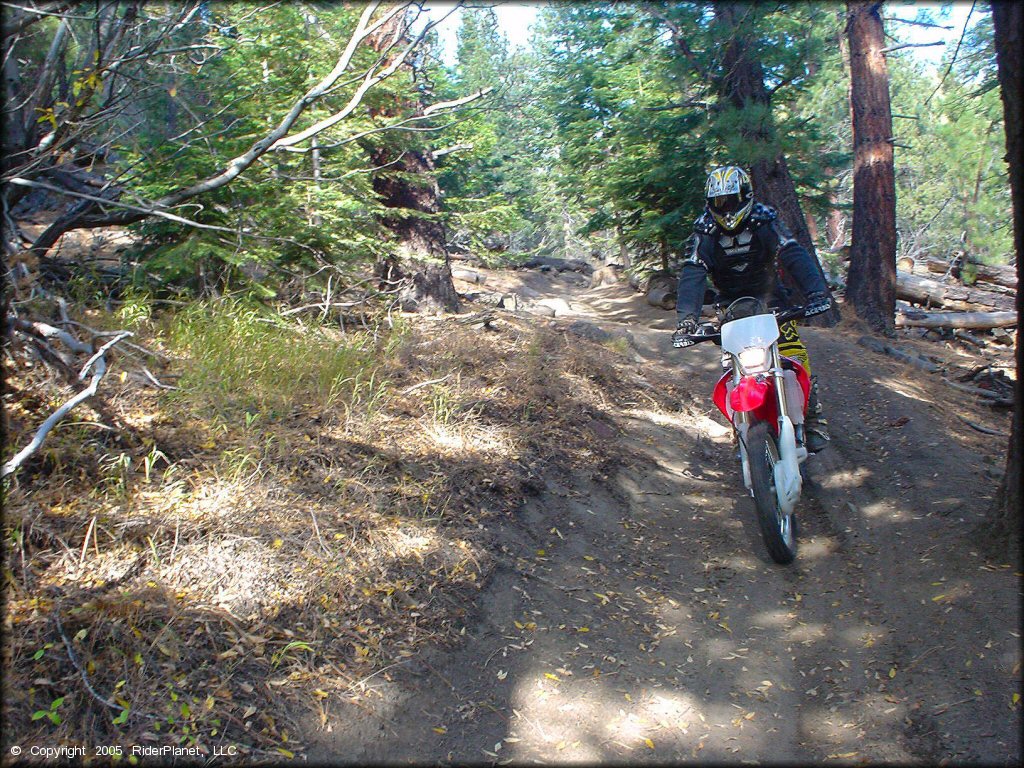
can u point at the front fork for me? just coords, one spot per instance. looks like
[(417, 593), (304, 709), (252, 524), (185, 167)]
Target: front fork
[(791, 449), (787, 472)]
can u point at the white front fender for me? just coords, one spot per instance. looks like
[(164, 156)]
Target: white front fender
[(787, 472)]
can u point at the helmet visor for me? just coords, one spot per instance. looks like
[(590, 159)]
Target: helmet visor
[(725, 205)]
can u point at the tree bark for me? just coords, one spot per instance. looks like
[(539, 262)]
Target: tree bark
[(407, 185), (1008, 21), (743, 87), (871, 281)]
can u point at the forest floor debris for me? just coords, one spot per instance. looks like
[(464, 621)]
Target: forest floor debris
[(205, 571)]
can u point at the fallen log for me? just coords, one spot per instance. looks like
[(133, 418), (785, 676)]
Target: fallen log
[(882, 348), (469, 275), (559, 265), (994, 399), (913, 318), (980, 428), (662, 297), (923, 290), (1005, 276)]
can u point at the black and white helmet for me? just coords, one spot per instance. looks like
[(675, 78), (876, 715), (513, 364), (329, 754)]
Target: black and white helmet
[(730, 196)]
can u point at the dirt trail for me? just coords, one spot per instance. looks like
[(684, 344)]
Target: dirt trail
[(638, 618)]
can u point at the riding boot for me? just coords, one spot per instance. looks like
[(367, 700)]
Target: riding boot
[(815, 427)]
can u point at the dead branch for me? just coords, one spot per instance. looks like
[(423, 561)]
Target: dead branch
[(901, 46), (991, 398), (156, 383), (980, 428), (97, 363), (324, 306), (46, 331), (887, 349), (78, 666)]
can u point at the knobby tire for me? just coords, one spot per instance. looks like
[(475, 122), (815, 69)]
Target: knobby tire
[(777, 529)]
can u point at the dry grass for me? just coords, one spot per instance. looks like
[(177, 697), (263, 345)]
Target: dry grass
[(216, 563)]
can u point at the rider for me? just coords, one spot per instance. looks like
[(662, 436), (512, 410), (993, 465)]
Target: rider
[(736, 242)]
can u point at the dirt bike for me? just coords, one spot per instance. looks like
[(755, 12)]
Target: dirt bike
[(764, 396)]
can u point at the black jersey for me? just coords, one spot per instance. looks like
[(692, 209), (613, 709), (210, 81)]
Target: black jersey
[(744, 262)]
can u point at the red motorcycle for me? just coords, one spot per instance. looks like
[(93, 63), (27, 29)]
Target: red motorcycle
[(764, 396)]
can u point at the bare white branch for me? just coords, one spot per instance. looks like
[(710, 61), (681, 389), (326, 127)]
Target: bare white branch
[(99, 365)]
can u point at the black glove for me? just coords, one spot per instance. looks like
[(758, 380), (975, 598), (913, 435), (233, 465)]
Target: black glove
[(817, 303), (686, 327)]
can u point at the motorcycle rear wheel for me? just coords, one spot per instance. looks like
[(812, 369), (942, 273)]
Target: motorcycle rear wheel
[(777, 528)]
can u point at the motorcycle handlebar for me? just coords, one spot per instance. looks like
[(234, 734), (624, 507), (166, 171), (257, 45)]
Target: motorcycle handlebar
[(711, 332)]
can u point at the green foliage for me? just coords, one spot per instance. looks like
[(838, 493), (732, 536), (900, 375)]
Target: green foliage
[(595, 140), (629, 144), (952, 184), (490, 184), (295, 210), (244, 360), (51, 713)]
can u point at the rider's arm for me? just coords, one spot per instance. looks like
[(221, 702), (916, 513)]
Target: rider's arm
[(693, 277), (796, 259)]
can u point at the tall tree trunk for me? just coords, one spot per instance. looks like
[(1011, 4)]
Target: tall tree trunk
[(743, 88), (871, 282), (1008, 19), (407, 185)]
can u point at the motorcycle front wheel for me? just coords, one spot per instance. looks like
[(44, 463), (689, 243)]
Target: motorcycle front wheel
[(777, 528)]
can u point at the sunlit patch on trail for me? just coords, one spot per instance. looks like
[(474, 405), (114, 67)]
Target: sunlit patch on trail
[(905, 389), (410, 540), (772, 619), (587, 721), (807, 633), (817, 547), (850, 478)]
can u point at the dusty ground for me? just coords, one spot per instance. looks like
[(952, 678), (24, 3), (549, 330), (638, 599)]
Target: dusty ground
[(635, 615)]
